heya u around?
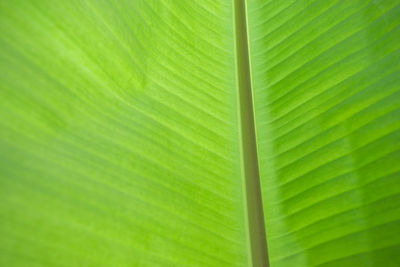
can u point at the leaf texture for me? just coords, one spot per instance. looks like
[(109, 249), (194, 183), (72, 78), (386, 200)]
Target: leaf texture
[(326, 86), (120, 134), (119, 138)]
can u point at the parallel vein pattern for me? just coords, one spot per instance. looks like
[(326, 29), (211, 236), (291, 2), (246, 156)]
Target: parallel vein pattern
[(118, 134), (326, 79)]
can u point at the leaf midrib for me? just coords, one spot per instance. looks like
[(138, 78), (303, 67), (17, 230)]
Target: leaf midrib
[(250, 171)]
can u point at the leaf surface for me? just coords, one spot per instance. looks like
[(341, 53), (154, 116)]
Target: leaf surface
[(119, 138), (123, 134), (326, 87)]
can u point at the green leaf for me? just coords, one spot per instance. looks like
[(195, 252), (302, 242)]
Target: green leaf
[(119, 138), (326, 86), (137, 133)]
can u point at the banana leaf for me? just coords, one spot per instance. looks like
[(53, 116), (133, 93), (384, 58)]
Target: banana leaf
[(199, 133)]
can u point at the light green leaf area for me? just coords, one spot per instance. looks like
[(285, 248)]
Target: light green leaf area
[(119, 138), (326, 86)]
